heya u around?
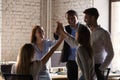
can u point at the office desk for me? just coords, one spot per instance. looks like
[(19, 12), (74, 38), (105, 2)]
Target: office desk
[(59, 77), (114, 76)]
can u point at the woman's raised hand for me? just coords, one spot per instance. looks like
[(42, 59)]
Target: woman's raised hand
[(60, 28)]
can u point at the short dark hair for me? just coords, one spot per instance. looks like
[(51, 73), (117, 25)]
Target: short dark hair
[(72, 12), (92, 12)]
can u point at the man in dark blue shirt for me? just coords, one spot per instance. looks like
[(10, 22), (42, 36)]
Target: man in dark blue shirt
[(68, 53)]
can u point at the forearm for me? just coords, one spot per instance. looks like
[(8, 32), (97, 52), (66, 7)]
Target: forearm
[(106, 62), (48, 55), (110, 53), (71, 41)]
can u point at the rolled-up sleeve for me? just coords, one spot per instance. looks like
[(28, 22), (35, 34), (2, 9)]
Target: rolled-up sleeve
[(71, 41)]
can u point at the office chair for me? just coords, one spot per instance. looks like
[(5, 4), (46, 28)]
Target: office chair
[(106, 73), (6, 68), (9, 76)]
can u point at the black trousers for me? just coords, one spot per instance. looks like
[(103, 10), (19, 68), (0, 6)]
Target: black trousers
[(99, 74), (72, 70)]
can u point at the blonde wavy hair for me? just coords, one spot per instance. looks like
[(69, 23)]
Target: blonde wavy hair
[(24, 59)]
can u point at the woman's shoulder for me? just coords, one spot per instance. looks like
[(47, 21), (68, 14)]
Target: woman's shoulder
[(36, 67), (47, 40), (81, 49)]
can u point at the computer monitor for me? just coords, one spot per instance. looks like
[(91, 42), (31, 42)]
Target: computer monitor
[(55, 60)]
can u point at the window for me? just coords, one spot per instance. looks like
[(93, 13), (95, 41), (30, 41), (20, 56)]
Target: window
[(115, 32)]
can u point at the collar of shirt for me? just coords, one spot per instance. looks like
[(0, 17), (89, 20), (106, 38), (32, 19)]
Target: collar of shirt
[(97, 27)]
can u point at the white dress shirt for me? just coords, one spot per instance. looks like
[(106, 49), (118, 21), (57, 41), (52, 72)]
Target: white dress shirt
[(102, 47)]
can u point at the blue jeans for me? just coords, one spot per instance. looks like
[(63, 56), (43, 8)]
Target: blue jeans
[(44, 76)]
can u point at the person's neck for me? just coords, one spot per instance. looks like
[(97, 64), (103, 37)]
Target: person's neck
[(40, 44), (75, 26), (39, 41), (93, 26)]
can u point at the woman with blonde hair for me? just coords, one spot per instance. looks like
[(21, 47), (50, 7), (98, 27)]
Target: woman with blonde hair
[(26, 63), (41, 46)]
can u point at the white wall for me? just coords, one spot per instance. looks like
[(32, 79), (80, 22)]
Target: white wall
[(0, 25), (115, 34), (103, 8), (18, 17)]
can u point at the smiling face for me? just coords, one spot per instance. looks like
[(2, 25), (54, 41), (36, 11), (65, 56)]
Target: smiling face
[(39, 33), (72, 20)]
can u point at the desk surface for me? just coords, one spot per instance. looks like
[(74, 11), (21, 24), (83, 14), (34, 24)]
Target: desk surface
[(59, 77), (114, 76), (64, 77)]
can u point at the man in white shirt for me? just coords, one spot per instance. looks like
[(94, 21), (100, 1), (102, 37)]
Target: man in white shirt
[(101, 42)]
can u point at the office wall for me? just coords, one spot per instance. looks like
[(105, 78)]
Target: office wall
[(18, 17), (103, 8), (60, 7), (0, 25)]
